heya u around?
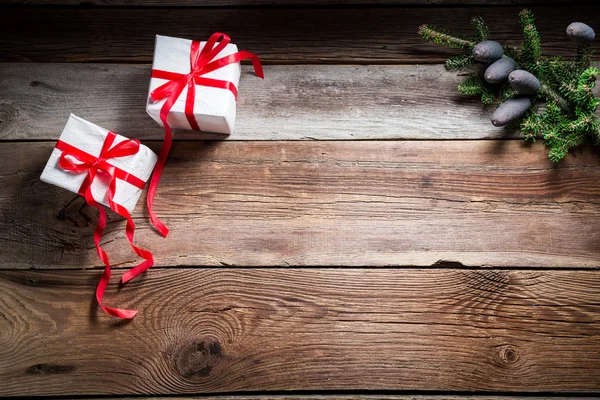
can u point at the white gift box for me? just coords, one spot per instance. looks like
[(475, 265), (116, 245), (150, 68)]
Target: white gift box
[(90, 138), (214, 108)]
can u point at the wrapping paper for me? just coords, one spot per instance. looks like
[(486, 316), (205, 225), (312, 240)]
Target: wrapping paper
[(90, 137), (214, 108)]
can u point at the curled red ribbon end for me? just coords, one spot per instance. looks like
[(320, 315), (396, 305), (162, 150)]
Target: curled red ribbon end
[(101, 288), (201, 62), (87, 163)]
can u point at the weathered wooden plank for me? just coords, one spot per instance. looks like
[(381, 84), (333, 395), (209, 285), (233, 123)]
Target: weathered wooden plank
[(300, 35), (226, 330), (360, 397), (363, 203), (275, 3), (307, 102)]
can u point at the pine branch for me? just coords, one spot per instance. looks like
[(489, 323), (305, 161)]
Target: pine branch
[(531, 126), (471, 86), (561, 144), (531, 51), (507, 93), (481, 30), (487, 97), (559, 70), (435, 35), (589, 76), (511, 52), (552, 95), (570, 92), (558, 151), (553, 114), (568, 119), (581, 93), (581, 125), (476, 86), (585, 86), (583, 59), (459, 61), (586, 101)]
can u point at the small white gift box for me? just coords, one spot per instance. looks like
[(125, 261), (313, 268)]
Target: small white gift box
[(213, 107), (83, 136)]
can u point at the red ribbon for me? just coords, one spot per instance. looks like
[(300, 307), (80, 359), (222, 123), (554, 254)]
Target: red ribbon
[(87, 163), (201, 62)]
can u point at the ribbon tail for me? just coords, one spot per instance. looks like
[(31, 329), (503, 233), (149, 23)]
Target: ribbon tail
[(116, 312), (158, 169), (103, 283), (162, 158), (145, 254), (129, 232)]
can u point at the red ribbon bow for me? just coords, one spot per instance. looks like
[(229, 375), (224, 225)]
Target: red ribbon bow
[(201, 63), (78, 161)]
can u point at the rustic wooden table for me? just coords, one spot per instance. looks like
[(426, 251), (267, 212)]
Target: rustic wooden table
[(308, 257)]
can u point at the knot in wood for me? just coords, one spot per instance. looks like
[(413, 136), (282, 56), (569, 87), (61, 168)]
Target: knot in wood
[(39, 369), (197, 358), (508, 354)]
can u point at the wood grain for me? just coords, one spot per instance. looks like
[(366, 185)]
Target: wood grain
[(304, 102), (226, 330), (364, 203), (301, 35), (276, 3), (356, 397)]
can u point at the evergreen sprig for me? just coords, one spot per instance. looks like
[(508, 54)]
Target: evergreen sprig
[(459, 61), (566, 86), (531, 50), (481, 30), (474, 85), (439, 36)]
